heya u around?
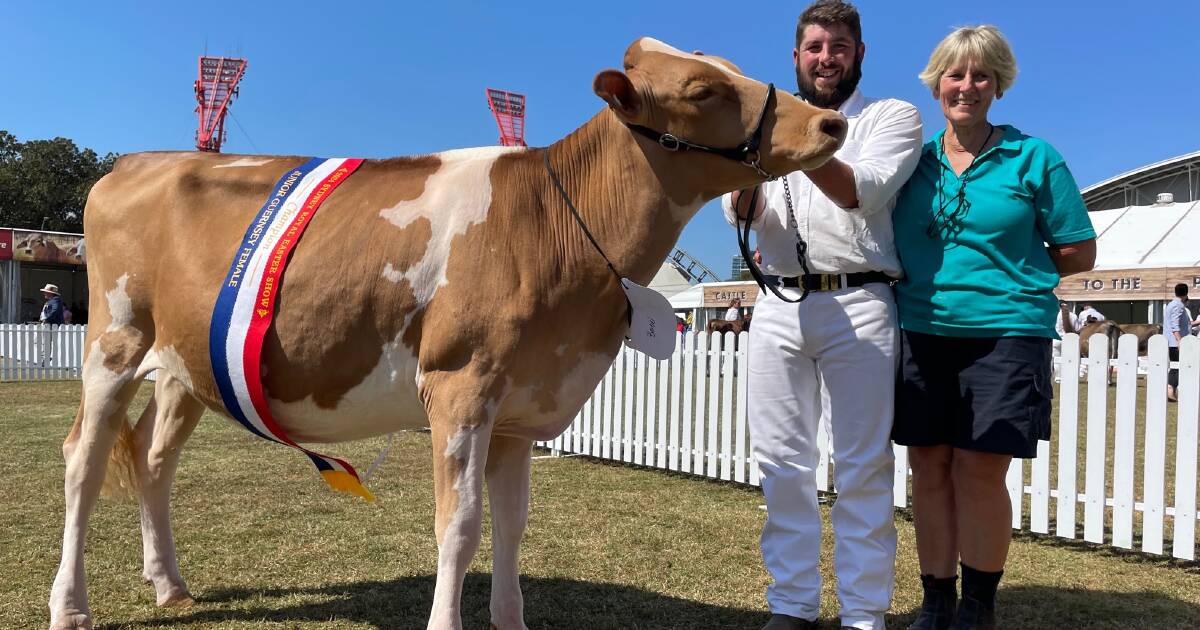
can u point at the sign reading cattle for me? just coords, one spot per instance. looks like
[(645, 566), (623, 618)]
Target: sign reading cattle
[(452, 291)]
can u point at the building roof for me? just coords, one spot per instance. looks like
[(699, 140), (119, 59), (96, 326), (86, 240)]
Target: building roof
[(1155, 236)]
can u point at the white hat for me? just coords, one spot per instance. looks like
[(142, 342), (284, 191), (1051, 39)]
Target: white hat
[(50, 288)]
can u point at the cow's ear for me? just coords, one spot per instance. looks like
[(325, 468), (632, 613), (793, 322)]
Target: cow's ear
[(617, 90)]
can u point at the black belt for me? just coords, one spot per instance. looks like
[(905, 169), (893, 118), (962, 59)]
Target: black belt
[(835, 281)]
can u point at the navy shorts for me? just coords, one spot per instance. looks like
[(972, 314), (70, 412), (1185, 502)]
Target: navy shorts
[(987, 394)]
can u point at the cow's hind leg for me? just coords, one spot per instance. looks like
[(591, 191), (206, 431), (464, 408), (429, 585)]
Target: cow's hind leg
[(161, 432), (508, 492), (461, 432), (109, 383)]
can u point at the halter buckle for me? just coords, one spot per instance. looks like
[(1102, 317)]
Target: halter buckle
[(669, 142)]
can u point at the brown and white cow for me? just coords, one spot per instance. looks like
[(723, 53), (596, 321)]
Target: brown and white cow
[(451, 291)]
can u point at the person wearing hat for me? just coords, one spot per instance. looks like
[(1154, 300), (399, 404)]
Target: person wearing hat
[(52, 311)]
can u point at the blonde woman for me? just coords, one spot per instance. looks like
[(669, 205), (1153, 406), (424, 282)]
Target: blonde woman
[(977, 311)]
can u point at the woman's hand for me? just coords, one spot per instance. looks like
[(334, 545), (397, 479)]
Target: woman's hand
[(1072, 258)]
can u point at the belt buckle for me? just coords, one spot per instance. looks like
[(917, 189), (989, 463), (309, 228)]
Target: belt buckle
[(826, 282)]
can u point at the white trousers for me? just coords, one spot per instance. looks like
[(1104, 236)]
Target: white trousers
[(833, 356)]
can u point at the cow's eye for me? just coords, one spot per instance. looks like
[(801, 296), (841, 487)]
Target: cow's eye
[(700, 93)]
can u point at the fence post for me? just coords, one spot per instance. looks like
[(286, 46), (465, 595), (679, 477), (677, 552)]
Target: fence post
[(1097, 423), (1185, 449), (1154, 466)]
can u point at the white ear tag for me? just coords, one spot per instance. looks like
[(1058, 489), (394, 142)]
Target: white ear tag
[(651, 322)]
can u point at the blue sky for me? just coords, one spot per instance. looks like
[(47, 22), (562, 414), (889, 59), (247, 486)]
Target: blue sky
[(1113, 85)]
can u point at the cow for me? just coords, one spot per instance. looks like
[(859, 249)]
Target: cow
[(1107, 328), (452, 291), (1143, 332)]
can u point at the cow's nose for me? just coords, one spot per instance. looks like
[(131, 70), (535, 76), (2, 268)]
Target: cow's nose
[(833, 125)]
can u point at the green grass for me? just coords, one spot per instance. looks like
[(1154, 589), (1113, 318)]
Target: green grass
[(264, 545)]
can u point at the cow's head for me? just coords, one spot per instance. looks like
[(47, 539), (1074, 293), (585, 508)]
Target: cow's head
[(706, 100)]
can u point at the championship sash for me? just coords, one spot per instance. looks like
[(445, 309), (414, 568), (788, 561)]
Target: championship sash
[(245, 306)]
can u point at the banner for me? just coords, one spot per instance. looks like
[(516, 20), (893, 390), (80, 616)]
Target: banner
[(48, 247), (1157, 283), (6, 243)]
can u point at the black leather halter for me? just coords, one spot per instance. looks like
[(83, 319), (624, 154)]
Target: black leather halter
[(745, 153)]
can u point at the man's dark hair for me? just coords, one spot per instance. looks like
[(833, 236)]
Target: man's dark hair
[(826, 13), (1181, 290)]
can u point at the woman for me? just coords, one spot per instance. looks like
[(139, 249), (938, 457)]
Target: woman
[(977, 315), (734, 312)]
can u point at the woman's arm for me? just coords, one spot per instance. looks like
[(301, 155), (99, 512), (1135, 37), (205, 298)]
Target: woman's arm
[(1071, 258)]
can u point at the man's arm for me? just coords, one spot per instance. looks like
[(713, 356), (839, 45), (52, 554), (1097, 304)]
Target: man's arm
[(887, 158), (1072, 258)]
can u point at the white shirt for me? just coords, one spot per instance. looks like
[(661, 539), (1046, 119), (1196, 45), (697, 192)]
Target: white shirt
[(882, 147), (731, 314), (1086, 316)]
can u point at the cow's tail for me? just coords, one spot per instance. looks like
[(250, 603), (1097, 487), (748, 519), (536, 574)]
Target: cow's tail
[(120, 480)]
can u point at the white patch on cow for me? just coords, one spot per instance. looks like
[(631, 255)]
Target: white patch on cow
[(385, 401), (120, 307), (649, 44), (561, 349), (456, 197), (170, 360), (393, 274), (684, 213), (246, 162)]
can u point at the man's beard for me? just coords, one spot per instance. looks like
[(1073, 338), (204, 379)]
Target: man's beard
[(834, 99)]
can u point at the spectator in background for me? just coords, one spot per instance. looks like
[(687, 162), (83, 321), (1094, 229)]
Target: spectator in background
[(1177, 324), (734, 312), (1088, 315), (53, 310)]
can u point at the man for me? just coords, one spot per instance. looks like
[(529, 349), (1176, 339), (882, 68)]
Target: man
[(834, 354), (1177, 323), (52, 311), (1088, 315)]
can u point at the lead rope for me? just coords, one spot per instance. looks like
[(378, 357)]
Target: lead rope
[(801, 246)]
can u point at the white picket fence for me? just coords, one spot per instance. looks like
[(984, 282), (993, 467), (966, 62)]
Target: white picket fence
[(32, 352), (688, 414)]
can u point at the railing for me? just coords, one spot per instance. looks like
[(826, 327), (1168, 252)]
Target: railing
[(34, 352), (688, 414)]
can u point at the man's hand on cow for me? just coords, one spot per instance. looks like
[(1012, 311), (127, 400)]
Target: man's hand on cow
[(741, 202)]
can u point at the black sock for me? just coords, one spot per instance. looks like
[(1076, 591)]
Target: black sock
[(947, 587), (980, 585)]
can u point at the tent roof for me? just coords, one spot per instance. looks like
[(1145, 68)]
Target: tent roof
[(1147, 236)]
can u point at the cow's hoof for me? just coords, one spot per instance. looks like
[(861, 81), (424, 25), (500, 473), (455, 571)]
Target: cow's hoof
[(72, 622), (177, 599)]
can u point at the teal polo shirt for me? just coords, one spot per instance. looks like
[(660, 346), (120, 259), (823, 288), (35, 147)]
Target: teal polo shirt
[(975, 263)]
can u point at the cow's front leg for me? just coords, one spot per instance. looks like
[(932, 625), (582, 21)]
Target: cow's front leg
[(459, 456), (508, 491)]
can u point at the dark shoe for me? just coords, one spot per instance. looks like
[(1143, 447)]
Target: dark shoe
[(937, 611), (788, 622), (973, 615)]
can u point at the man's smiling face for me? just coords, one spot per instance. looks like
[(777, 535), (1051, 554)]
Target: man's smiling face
[(828, 64)]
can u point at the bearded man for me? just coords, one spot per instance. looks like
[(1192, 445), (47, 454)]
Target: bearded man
[(833, 355)]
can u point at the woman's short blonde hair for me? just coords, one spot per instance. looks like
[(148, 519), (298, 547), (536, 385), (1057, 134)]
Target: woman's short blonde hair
[(984, 45)]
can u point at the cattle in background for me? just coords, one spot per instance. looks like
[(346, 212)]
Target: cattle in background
[(1107, 328), (453, 291), (1143, 332)]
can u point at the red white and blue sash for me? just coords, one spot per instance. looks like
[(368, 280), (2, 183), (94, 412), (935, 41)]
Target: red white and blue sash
[(245, 306)]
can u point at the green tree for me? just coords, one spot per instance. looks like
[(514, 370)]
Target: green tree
[(45, 183)]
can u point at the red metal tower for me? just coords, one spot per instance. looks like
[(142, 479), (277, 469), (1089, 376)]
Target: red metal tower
[(509, 109), (216, 88)]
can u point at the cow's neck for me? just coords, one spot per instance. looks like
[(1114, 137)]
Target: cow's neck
[(622, 201)]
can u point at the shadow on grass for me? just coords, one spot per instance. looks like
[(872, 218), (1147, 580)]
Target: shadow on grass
[(404, 603), (1037, 607)]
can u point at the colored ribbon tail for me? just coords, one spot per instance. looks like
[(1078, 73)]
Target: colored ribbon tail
[(345, 482)]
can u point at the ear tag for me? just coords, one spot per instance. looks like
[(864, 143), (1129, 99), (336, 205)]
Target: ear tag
[(651, 321)]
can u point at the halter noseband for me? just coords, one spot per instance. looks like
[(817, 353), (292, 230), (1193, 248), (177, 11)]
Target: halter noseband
[(745, 153)]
